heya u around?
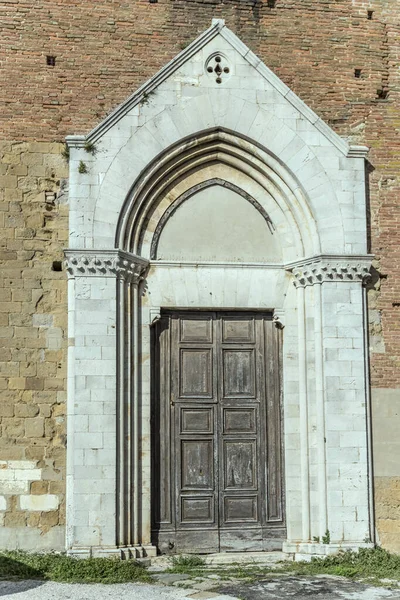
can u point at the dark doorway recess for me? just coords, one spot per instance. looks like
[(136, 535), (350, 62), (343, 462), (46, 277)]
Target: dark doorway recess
[(217, 477)]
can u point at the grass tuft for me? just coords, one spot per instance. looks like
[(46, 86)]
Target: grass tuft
[(187, 563), (66, 569)]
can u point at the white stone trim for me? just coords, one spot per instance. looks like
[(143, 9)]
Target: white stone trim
[(320, 269), (105, 263), (357, 152), (303, 406), (304, 551), (320, 410), (296, 210), (69, 496)]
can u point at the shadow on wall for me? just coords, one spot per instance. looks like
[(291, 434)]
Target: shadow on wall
[(12, 571)]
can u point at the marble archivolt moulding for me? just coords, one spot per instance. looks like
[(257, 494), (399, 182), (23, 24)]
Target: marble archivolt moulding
[(331, 269), (110, 263)]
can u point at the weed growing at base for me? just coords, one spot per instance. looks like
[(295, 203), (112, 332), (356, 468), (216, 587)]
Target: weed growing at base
[(187, 563), (372, 565), (66, 569)]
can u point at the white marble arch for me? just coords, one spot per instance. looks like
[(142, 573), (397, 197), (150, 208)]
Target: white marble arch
[(249, 165), (253, 134)]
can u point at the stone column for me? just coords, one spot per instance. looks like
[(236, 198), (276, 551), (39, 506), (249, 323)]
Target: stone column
[(102, 402)]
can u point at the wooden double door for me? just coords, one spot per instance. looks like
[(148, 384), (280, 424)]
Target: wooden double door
[(216, 433)]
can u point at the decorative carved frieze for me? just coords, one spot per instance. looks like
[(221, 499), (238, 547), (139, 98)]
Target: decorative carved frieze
[(322, 269), (106, 263)]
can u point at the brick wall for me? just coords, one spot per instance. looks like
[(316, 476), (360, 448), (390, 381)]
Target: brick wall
[(103, 51)]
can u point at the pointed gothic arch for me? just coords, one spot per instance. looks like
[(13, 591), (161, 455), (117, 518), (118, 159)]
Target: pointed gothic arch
[(247, 158)]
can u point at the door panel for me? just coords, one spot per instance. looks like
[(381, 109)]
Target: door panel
[(239, 373), (197, 464), (240, 464), (239, 509), (196, 420), (197, 510), (237, 330), (216, 433), (195, 373), (239, 420), (196, 329)]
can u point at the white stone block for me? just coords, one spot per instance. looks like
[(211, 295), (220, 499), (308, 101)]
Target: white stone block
[(100, 518), (28, 474), (88, 440), (354, 439), (83, 352), (81, 518), (95, 367), (339, 423), (86, 486), (81, 423), (42, 503), (13, 487), (102, 423), (351, 383), (98, 457), (101, 340), (355, 530), (3, 503), (351, 354)]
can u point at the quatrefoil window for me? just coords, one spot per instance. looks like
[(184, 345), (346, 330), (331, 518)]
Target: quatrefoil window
[(218, 66)]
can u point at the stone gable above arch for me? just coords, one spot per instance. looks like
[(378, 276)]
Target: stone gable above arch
[(215, 38), (218, 84)]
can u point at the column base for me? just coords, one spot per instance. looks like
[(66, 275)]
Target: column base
[(123, 552), (306, 550)]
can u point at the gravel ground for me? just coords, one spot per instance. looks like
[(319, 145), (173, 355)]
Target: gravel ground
[(285, 587), (37, 590)]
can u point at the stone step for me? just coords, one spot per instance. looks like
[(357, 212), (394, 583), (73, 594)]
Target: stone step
[(225, 560), (259, 558)]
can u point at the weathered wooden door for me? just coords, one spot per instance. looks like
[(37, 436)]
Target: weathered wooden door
[(216, 433)]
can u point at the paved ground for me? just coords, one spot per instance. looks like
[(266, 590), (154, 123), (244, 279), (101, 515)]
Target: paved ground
[(321, 587), (286, 587)]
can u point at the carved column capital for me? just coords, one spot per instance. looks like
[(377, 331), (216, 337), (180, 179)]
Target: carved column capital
[(106, 263), (320, 269)]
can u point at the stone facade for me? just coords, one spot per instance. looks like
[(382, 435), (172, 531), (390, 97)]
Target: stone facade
[(94, 71), (189, 125), (34, 214)]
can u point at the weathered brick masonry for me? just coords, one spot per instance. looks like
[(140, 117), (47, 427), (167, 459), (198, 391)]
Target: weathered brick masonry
[(340, 56)]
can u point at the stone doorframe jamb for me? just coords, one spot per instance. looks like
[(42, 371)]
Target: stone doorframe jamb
[(316, 271), (129, 271)]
